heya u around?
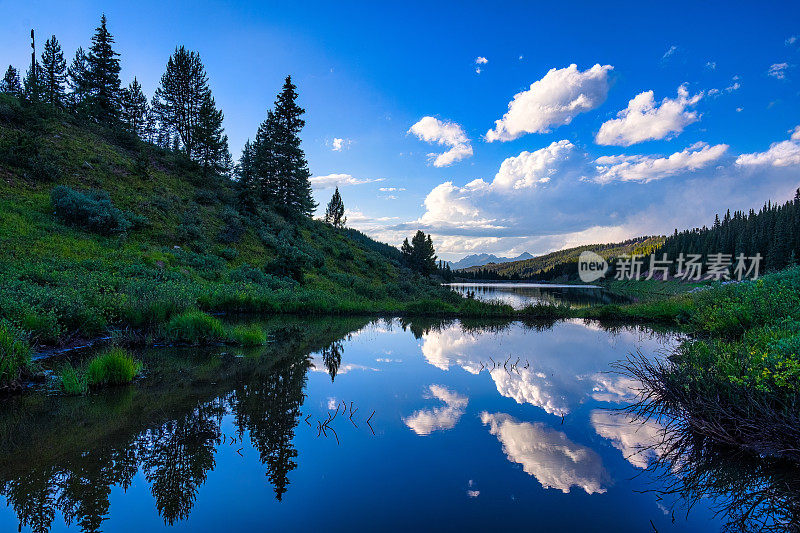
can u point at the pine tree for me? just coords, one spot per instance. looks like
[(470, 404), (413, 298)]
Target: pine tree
[(247, 186), (211, 145), (11, 84), (294, 186), (134, 108), (54, 75), (265, 169), (407, 252), (33, 83), (78, 78), (183, 91), (103, 73), (334, 213), (420, 255)]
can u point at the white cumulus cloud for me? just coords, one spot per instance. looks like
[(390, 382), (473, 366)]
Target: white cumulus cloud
[(779, 154), (645, 120), (553, 101), (480, 60), (646, 168), (339, 180), (445, 133)]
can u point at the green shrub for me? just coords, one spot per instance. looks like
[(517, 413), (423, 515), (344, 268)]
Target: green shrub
[(15, 355), (73, 382), (115, 367), (252, 335), (195, 327), (91, 210)]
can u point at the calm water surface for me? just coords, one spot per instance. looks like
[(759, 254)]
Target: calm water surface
[(518, 295), (433, 426)]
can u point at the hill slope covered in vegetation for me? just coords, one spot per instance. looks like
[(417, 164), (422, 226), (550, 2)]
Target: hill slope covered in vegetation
[(100, 230), (562, 264)]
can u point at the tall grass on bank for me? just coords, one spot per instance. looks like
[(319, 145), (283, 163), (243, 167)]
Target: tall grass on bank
[(73, 381), (15, 356), (194, 327), (114, 367), (251, 335)]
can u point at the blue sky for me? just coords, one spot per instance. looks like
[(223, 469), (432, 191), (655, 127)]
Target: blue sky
[(585, 154)]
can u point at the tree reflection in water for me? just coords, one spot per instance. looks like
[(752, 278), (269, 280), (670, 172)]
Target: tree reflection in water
[(74, 450), (60, 455)]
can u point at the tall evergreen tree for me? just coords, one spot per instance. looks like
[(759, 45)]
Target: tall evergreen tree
[(78, 78), (291, 166), (211, 144), (420, 255), (264, 160), (134, 108), (334, 213), (54, 73), (247, 187), (183, 91), (103, 73), (11, 84), (33, 83)]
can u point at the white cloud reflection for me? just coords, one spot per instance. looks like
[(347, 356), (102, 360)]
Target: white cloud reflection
[(426, 421), (548, 455), (564, 367), (638, 441)]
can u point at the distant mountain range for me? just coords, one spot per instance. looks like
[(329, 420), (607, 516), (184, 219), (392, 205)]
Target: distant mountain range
[(485, 259)]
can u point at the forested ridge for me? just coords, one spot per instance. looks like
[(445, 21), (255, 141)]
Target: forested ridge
[(772, 232)]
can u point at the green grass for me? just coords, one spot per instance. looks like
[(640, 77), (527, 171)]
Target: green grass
[(15, 356), (115, 367), (252, 335), (195, 327), (73, 382)]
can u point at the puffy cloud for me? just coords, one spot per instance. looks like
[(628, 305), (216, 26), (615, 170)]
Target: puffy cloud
[(548, 455), (339, 180), (779, 154), (644, 120), (480, 60), (639, 441), (338, 144), (552, 101), (778, 70), (530, 169), (445, 133), (392, 189), (478, 204), (648, 168), (426, 421)]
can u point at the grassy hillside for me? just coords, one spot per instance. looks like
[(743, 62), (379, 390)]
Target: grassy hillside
[(562, 264), (135, 234)]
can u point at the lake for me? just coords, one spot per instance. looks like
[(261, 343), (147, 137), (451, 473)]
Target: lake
[(519, 295), (351, 424)]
